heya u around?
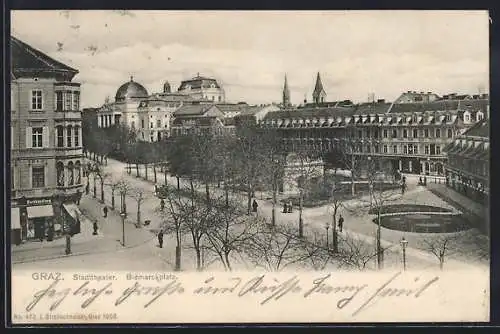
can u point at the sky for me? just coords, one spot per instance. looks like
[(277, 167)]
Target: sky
[(357, 53)]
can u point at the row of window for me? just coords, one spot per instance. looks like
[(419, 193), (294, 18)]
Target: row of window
[(405, 133), (38, 177), (406, 149), (69, 100), (38, 136), (71, 132), (74, 175)]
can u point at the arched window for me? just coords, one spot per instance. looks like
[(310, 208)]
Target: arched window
[(60, 174), (76, 135), (70, 174), (78, 173), (60, 136), (68, 136)]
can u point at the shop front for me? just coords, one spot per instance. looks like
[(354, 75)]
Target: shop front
[(40, 220)]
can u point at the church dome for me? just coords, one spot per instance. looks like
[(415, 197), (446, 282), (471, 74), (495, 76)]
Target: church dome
[(130, 90)]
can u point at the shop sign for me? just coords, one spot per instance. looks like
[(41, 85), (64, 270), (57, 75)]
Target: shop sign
[(39, 201)]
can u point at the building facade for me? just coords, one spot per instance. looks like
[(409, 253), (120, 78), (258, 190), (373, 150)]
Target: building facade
[(202, 88), (46, 144), (468, 166), (407, 137)]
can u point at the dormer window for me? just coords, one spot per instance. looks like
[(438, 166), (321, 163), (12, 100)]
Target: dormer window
[(466, 117), (212, 86)]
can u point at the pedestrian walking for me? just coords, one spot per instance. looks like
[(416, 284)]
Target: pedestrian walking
[(105, 211), (160, 238), (285, 208), (341, 223), (156, 190), (255, 205), (78, 196), (403, 188), (290, 206), (87, 189), (162, 204), (95, 228)]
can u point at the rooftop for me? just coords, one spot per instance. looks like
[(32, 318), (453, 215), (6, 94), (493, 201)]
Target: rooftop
[(480, 129), (28, 61)]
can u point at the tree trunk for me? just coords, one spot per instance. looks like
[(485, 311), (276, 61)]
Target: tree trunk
[(207, 192), (352, 175), (227, 195), (335, 242), (441, 262), (249, 201), (178, 257), (95, 187), (273, 218), (102, 191), (301, 222), (137, 170), (165, 176), (112, 199), (138, 213), (146, 171), (154, 173), (228, 263), (198, 258), (380, 255), (178, 183)]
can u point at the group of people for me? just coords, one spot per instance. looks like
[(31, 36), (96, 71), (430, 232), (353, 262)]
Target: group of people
[(287, 207)]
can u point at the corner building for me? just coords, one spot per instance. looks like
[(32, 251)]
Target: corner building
[(46, 145)]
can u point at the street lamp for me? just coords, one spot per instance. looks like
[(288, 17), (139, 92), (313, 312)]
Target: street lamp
[(123, 215), (404, 244)]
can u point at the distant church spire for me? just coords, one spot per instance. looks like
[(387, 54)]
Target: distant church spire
[(319, 93), (286, 93)]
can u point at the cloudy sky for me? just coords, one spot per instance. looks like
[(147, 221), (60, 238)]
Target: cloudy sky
[(356, 52)]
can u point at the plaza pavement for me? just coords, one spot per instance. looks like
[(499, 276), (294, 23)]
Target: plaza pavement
[(142, 250)]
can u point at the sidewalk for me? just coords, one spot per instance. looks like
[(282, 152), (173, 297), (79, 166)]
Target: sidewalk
[(109, 237), (466, 204)]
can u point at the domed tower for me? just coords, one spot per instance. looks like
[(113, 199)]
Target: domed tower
[(166, 88), (131, 90)]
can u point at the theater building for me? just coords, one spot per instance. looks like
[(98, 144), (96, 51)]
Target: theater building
[(46, 145)]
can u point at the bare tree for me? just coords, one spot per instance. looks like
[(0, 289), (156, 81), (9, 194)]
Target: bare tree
[(302, 166), (139, 196), (275, 248), (124, 189), (380, 195), (441, 246), (230, 228), (174, 219), (349, 153), (114, 186)]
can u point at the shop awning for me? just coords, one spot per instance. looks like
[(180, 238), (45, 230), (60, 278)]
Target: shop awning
[(72, 210), (15, 219), (40, 211)]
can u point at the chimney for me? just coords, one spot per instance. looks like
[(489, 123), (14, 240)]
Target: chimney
[(421, 92), (381, 101)]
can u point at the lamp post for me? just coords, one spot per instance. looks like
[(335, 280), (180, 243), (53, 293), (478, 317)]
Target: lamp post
[(123, 215), (404, 243)]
